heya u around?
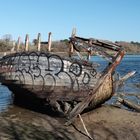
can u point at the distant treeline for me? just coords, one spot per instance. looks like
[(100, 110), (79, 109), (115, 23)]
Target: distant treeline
[(130, 47), (7, 44)]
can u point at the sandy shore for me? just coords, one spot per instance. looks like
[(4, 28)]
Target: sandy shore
[(104, 123)]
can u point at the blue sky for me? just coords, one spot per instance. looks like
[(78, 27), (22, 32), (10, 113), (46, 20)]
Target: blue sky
[(105, 19)]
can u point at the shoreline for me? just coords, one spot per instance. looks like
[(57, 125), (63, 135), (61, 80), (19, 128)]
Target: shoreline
[(105, 122)]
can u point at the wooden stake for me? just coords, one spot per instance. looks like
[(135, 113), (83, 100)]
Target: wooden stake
[(27, 42), (38, 42), (18, 44), (13, 48), (71, 50), (49, 41), (73, 32)]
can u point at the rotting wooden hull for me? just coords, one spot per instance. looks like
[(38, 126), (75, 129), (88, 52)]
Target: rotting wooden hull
[(68, 85), (104, 93)]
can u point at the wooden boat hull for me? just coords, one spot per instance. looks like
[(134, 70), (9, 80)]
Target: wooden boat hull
[(69, 85), (55, 79)]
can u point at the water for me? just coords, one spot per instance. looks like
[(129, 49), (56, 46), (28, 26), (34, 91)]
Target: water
[(6, 98), (128, 64), (131, 63), (132, 85)]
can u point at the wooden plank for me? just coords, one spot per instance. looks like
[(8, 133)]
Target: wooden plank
[(27, 42), (84, 104), (93, 48), (129, 104), (38, 41), (49, 41), (18, 44), (124, 78)]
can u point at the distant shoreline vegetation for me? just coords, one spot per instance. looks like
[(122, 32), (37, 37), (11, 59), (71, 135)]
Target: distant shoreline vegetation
[(7, 44), (130, 47)]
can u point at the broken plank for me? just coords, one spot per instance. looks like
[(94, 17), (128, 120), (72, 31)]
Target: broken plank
[(129, 104)]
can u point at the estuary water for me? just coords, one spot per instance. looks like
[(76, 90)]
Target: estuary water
[(132, 85), (129, 63)]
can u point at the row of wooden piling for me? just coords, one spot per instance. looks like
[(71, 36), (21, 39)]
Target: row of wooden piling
[(17, 47), (48, 44)]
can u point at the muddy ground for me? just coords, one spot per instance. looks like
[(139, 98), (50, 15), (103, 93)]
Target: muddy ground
[(104, 123)]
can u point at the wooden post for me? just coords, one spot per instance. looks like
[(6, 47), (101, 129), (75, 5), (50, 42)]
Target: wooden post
[(71, 50), (27, 42), (38, 42), (13, 48), (73, 32), (49, 41), (18, 44)]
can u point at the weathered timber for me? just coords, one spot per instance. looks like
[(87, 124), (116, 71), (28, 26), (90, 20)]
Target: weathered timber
[(94, 49), (27, 43), (84, 126), (38, 41), (97, 91), (18, 44), (71, 49), (129, 104), (101, 43), (70, 85), (128, 75), (123, 79), (49, 41)]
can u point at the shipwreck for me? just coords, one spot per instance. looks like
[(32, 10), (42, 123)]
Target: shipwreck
[(70, 85)]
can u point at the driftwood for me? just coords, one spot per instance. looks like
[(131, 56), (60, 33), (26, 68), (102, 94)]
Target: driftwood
[(137, 95), (129, 104), (124, 78), (84, 126)]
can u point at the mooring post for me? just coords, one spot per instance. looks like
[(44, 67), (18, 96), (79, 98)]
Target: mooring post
[(73, 32), (71, 50), (27, 42), (39, 42), (13, 48), (18, 44), (49, 41)]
